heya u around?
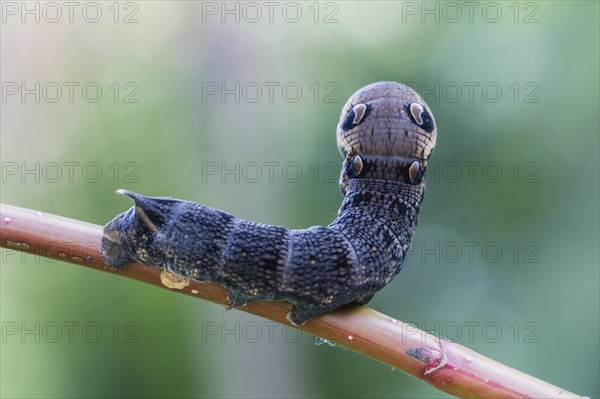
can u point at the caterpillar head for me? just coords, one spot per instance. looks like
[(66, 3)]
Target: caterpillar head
[(387, 119), (139, 233)]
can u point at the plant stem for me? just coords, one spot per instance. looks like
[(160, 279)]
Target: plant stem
[(447, 366)]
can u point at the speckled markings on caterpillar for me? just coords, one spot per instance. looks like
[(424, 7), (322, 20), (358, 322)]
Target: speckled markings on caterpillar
[(386, 134)]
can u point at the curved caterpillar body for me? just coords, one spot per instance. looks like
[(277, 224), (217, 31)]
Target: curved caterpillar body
[(386, 134)]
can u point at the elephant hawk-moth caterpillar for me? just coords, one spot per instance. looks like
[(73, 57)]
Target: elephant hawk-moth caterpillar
[(385, 134)]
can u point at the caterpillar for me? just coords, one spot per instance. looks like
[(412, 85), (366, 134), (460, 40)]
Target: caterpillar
[(385, 135)]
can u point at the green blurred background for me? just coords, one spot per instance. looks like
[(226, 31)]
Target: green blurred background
[(505, 258)]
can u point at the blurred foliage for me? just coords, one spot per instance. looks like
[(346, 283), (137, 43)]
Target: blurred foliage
[(534, 305)]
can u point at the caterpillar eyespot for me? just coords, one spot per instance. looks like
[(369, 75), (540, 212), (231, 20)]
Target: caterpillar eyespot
[(357, 164), (414, 172), (386, 141), (421, 116), (415, 111), (358, 113)]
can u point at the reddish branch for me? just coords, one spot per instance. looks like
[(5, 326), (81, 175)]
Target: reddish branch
[(447, 366)]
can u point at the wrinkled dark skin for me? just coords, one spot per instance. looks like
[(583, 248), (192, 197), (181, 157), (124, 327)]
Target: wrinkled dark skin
[(385, 143)]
